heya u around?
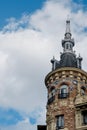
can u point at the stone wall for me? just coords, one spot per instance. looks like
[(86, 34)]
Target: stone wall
[(74, 78)]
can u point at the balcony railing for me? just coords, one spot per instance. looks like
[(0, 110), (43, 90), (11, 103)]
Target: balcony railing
[(50, 100), (63, 95)]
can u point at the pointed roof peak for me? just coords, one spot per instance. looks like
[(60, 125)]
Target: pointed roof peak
[(68, 26), (68, 18), (68, 30)]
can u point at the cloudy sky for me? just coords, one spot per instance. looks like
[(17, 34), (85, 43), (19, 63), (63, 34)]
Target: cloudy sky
[(30, 35)]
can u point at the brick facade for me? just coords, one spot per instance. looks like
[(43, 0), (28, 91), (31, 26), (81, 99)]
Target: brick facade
[(69, 105)]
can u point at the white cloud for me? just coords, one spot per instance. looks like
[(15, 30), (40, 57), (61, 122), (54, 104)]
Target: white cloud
[(25, 54)]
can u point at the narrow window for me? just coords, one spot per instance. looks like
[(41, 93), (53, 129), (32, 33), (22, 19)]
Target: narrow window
[(66, 46), (60, 122), (84, 115), (70, 47), (83, 90), (53, 91), (51, 95)]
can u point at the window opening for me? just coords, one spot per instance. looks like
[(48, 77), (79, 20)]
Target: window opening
[(60, 122), (84, 115), (63, 91)]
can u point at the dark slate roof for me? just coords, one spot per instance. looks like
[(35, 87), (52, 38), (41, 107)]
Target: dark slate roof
[(68, 60)]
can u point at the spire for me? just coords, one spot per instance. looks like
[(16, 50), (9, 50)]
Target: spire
[(68, 25), (68, 41), (68, 31), (68, 57)]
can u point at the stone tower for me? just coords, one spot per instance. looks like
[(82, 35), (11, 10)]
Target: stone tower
[(67, 89)]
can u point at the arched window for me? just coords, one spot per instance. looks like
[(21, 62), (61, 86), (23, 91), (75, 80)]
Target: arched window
[(63, 91)]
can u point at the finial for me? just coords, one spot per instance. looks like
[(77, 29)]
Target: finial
[(53, 57), (79, 57), (79, 60), (53, 63), (68, 17), (53, 60)]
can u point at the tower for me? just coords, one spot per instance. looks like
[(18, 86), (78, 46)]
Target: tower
[(67, 89)]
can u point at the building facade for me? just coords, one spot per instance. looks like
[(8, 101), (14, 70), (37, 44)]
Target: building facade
[(67, 89)]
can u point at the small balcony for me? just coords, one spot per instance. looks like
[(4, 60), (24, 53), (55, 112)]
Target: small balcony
[(63, 95), (50, 100)]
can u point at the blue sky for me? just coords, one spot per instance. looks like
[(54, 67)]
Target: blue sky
[(9, 117), (80, 1), (16, 8), (28, 40)]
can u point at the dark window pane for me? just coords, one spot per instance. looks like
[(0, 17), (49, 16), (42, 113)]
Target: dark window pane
[(84, 114), (50, 100), (63, 91), (60, 121)]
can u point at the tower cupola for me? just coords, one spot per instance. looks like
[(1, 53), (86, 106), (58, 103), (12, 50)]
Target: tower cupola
[(68, 57)]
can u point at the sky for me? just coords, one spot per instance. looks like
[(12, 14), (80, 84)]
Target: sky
[(30, 35), (17, 8)]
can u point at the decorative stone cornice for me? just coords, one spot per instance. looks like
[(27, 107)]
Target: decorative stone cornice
[(64, 72)]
